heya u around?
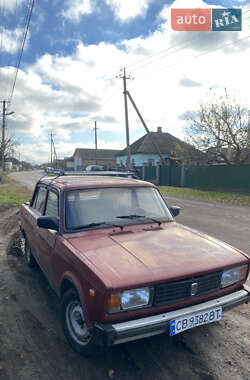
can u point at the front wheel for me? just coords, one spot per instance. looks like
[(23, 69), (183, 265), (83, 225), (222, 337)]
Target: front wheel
[(74, 325)]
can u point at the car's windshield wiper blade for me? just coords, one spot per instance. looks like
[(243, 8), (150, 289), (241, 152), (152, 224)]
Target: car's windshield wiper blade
[(135, 216), (98, 224)]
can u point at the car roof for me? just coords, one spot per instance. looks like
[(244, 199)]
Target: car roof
[(92, 181)]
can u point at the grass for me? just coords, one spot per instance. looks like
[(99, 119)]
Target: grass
[(13, 194), (6, 180), (214, 196)]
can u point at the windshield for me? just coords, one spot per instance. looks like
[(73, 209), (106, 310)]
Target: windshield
[(114, 206)]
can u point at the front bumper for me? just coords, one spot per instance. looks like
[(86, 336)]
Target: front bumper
[(115, 333)]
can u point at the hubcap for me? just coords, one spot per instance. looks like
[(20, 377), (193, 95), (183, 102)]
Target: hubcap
[(76, 323)]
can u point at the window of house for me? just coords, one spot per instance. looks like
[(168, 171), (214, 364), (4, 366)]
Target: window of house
[(151, 162), (52, 205)]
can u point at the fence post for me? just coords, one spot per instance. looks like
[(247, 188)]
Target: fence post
[(143, 173), (158, 175), (182, 176)]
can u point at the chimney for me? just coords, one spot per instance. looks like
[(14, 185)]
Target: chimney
[(159, 129)]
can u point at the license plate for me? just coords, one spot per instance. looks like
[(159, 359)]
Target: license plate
[(196, 319)]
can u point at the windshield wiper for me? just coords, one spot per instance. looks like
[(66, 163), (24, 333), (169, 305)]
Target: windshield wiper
[(98, 224), (135, 216)]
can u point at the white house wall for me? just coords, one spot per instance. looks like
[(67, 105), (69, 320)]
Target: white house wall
[(70, 164), (77, 162), (140, 159)]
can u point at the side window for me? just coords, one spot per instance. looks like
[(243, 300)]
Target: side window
[(52, 205), (40, 199)]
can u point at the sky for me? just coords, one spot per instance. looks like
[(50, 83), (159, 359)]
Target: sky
[(69, 76)]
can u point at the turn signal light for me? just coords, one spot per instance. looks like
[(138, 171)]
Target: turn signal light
[(114, 303)]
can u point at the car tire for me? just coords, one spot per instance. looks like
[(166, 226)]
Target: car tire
[(29, 258), (74, 326)]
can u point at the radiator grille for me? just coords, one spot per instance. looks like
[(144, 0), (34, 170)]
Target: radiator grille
[(172, 292)]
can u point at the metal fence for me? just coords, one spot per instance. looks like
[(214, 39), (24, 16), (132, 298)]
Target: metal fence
[(224, 177), (233, 178)]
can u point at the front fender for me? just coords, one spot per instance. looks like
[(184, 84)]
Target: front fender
[(69, 276)]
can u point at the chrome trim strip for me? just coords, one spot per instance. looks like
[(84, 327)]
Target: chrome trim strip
[(166, 317)]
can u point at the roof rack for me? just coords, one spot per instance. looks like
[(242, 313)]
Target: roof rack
[(111, 173)]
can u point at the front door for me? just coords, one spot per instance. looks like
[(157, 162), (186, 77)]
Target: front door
[(47, 238)]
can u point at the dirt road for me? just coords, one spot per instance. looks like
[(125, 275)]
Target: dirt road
[(27, 179), (33, 346)]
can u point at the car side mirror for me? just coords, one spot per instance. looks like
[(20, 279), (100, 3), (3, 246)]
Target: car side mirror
[(175, 210), (49, 222)]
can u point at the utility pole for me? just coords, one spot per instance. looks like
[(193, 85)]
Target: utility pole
[(95, 128), (51, 147), (55, 155), (3, 139), (126, 114), (248, 132), (146, 128), (20, 165)]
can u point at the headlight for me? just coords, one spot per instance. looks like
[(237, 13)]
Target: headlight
[(233, 275), (130, 299)]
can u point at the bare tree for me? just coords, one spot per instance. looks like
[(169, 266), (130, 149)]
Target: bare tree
[(8, 148), (221, 129), (188, 155)]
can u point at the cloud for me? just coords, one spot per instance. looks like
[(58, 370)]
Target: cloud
[(129, 9), (11, 6), (123, 10), (108, 119), (10, 40), (41, 151), (186, 82), (188, 115), (75, 9)]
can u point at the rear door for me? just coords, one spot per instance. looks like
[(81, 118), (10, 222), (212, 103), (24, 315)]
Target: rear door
[(35, 210)]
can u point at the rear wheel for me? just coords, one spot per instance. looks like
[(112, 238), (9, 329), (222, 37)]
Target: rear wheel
[(74, 325)]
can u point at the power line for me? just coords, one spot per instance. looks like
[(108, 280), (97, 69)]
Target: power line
[(165, 55), (29, 14), (174, 64), (159, 53), (158, 58), (5, 47), (154, 57), (95, 128), (196, 56)]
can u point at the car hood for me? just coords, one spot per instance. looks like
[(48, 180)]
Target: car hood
[(149, 255)]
